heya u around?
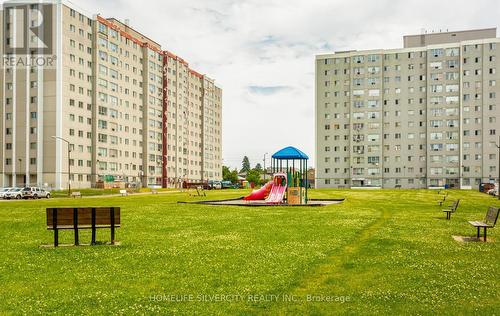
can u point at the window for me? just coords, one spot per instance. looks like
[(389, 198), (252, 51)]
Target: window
[(358, 59), (452, 52), (373, 58), (438, 52)]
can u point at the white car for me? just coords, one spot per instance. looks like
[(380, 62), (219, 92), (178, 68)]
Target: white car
[(35, 193), (14, 193), (3, 191)]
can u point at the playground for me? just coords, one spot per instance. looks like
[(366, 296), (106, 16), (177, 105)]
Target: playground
[(288, 187)]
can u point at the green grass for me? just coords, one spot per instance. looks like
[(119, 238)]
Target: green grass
[(386, 252)]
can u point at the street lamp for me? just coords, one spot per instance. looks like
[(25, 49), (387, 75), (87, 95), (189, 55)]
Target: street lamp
[(69, 161), (20, 162)]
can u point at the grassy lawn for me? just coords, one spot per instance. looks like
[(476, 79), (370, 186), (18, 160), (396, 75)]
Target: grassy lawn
[(382, 252)]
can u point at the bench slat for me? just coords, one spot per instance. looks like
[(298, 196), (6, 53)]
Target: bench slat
[(80, 227), (479, 224)]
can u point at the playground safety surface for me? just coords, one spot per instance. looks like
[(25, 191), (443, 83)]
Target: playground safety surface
[(241, 202)]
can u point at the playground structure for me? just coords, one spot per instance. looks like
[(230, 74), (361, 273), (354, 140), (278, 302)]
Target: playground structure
[(289, 184)]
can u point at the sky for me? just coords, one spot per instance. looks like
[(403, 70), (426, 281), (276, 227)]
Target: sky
[(261, 52)]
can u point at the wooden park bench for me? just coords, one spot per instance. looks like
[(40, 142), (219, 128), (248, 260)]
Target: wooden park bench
[(83, 218), (76, 194), (124, 192), (489, 221), (452, 209)]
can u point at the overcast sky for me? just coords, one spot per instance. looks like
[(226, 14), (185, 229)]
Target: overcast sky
[(261, 52)]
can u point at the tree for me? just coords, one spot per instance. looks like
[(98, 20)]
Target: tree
[(245, 165), (228, 175), (258, 167), (225, 173), (253, 176)]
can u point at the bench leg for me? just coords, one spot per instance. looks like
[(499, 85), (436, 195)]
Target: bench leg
[(112, 235), (112, 216), (75, 226), (478, 231), (77, 239), (56, 237), (485, 234), (93, 227), (93, 236)]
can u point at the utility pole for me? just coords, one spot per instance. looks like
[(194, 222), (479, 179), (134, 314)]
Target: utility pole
[(69, 161), (265, 166)]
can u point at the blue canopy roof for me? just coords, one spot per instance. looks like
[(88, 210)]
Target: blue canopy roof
[(290, 153)]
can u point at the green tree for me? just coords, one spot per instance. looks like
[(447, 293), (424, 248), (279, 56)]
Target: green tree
[(245, 165), (228, 175), (258, 167), (225, 173), (253, 176)]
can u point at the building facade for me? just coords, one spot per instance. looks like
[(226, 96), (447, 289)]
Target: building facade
[(114, 106), (424, 115)]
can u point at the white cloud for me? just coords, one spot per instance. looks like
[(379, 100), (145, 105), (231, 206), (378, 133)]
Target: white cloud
[(261, 52)]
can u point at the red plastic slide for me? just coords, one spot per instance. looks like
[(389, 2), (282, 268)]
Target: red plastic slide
[(278, 190), (260, 194)]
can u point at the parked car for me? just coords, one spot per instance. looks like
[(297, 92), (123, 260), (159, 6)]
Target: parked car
[(217, 185), (226, 184), (236, 186), (214, 184), (493, 192), (3, 191), (14, 193), (34, 193), (44, 194)]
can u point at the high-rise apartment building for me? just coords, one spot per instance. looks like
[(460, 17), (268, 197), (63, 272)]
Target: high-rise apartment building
[(424, 115), (113, 105)]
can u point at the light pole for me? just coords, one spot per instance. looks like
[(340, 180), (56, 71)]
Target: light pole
[(20, 162), (69, 161), (265, 166)]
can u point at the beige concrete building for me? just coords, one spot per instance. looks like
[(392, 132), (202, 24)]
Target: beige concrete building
[(126, 109), (424, 115)]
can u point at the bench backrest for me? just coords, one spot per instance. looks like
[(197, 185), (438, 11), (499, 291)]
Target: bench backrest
[(82, 216), (492, 216), (76, 193), (454, 206)]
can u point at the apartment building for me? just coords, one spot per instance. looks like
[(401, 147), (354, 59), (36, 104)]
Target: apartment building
[(114, 106), (423, 115)]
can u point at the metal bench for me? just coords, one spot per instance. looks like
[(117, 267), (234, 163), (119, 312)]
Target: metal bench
[(440, 202), (452, 209), (489, 221), (83, 218), (76, 194)]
